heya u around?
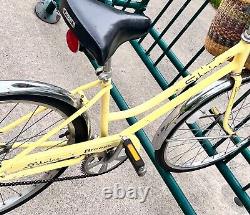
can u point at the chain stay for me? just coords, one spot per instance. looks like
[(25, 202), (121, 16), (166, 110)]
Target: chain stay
[(67, 178)]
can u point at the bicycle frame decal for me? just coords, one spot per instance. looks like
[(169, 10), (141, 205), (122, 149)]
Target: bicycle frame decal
[(26, 163)]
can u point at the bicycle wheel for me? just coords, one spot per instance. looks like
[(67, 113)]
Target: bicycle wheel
[(11, 108), (196, 138)]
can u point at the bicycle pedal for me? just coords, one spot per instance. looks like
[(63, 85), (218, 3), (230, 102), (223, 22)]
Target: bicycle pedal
[(134, 157)]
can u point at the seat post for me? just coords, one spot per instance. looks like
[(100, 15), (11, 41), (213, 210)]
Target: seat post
[(107, 66), (104, 75)]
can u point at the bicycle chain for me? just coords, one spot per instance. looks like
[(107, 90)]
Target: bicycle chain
[(43, 181)]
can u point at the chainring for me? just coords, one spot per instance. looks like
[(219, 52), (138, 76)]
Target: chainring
[(97, 164)]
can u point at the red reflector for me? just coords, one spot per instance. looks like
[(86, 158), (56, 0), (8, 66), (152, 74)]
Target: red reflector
[(72, 41)]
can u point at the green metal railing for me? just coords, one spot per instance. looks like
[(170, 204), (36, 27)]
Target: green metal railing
[(153, 67), (183, 71), (239, 190)]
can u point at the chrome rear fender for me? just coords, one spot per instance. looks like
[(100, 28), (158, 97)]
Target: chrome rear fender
[(36, 88)]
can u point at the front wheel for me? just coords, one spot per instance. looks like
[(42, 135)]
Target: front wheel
[(36, 125), (196, 138)]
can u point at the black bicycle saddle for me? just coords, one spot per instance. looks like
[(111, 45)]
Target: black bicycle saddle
[(100, 28)]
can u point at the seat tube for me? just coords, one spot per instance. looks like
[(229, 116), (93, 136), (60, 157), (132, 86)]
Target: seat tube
[(105, 101)]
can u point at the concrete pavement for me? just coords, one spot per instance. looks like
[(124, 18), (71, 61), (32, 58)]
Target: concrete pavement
[(31, 49)]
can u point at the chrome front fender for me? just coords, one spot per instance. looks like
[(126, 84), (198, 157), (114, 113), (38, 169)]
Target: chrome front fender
[(180, 111)]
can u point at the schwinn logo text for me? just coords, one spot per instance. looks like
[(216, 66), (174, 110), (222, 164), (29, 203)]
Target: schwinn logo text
[(68, 17), (42, 163), (94, 149)]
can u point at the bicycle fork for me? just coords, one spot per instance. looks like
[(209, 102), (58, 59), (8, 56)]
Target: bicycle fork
[(237, 83), (239, 60)]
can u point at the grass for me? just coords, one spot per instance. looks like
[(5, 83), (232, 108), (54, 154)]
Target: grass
[(216, 3)]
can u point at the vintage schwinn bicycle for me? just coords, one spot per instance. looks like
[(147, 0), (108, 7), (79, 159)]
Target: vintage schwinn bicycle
[(44, 129)]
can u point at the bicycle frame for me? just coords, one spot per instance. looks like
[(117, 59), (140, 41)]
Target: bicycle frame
[(27, 163)]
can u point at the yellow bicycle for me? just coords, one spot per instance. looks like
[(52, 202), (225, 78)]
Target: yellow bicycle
[(45, 129)]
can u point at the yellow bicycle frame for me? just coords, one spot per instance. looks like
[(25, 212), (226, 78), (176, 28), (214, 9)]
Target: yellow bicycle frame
[(27, 163)]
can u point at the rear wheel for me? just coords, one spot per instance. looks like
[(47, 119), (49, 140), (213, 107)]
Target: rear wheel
[(35, 126), (198, 140)]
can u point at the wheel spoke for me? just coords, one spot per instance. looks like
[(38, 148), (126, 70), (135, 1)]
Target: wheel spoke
[(14, 191), (58, 144), (179, 156), (37, 121), (185, 150), (198, 138), (238, 111), (36, 135), (198, 153), (193, 158), (9, 113), (16, 137), (244, 121)]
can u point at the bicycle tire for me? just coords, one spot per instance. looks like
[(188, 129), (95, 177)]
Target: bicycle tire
[(184, 120), (80, 134)]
